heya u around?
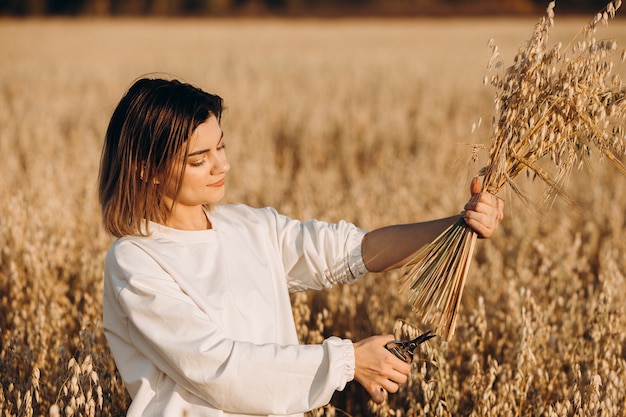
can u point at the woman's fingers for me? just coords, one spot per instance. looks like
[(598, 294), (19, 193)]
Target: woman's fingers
[(475, 186), (377, 369), (483, 213)]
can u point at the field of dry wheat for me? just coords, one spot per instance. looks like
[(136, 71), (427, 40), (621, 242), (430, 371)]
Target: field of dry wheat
[(368, 121)]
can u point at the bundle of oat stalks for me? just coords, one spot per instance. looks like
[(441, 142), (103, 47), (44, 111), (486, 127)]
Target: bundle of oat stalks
[(558, 102)]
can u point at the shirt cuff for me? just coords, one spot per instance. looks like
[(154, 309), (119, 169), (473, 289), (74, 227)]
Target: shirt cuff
[(350, 363), (347, 347), (356, 265)]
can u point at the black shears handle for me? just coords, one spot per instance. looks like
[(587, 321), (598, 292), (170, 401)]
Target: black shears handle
[(404, 350)]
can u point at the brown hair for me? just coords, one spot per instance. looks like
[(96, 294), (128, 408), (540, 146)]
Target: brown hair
[(147, 133)]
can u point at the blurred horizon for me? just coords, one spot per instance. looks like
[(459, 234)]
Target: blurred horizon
[(291, 8)]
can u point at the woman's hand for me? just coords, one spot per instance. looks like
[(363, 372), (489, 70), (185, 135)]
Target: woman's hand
[(377, 369), (484, 211)]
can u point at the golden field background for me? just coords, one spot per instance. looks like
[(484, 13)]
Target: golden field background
[(364, 120)]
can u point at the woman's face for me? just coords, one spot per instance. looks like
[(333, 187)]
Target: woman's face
[(205, 168)]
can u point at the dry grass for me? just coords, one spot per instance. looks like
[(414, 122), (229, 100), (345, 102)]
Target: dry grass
[(359, 120), (558, 102), (552, 101)]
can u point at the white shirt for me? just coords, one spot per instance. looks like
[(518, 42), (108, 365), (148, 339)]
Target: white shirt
[(200, 322)]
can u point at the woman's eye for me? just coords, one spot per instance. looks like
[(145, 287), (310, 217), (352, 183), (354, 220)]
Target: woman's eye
[(197, 163)]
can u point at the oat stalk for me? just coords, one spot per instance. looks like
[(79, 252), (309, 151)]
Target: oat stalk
[(553, 105)]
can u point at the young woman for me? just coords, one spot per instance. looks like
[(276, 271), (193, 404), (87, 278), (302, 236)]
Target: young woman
[(196, 302)]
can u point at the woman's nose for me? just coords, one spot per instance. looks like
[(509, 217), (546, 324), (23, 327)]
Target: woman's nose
[(220, 165)]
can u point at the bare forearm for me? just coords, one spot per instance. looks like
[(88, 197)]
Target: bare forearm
[(392, 246)]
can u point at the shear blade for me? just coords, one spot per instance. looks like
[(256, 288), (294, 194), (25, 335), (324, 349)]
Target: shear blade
[(424, 337)]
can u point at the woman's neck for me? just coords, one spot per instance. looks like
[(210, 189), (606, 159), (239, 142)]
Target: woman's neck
[(188, 218)]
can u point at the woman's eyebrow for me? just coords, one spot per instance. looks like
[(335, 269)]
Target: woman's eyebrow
[(204, 150), (199, 152)]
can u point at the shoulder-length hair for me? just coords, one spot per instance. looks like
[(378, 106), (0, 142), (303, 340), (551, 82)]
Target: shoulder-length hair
[(145, 142)]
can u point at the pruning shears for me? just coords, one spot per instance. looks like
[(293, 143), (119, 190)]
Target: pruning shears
[(404, 350)]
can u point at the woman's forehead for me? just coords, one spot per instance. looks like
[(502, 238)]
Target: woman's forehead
[(205, 137)]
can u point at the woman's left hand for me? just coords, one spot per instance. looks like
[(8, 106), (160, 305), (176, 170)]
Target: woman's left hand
[(484, 211)]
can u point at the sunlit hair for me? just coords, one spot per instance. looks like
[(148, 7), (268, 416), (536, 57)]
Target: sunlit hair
[(145, 146)]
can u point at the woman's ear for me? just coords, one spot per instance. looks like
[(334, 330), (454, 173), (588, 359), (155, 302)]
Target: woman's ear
[(142, 171)]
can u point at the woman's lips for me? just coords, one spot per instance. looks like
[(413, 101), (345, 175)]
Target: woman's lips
[(218, 183)]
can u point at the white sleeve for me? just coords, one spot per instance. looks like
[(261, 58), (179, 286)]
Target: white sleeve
[(317, 254), (168, 328)]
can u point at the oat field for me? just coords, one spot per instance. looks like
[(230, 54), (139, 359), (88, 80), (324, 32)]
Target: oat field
[(368, 121)]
